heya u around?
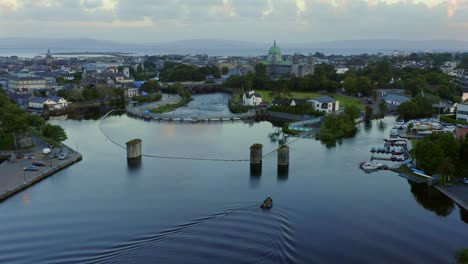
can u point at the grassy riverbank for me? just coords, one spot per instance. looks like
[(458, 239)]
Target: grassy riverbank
[(171, 107), (344, 100)]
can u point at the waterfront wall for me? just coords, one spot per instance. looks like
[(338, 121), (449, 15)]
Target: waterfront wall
[(72, 160)]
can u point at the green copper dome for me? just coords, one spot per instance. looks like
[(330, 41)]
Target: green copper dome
[(274, 50)]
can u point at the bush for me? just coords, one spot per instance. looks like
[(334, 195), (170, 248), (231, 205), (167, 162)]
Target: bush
[(147, 99), (462, 255), (301, 109), (452, 120), (337, 126), (238, 108)]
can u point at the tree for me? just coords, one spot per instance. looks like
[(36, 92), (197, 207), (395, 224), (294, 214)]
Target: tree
[(225, 70), (429, 156), (56, 133), (151, 86), (260, 69), (383, 108), (408, 110)]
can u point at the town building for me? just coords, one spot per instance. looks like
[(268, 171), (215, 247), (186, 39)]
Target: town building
[(277, 67), (131, 90), (462, 112), (53, 102), (395, 99), (251, 98), (325, 104), (30, 83)]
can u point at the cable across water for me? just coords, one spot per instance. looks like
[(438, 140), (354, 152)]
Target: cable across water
[(186, 158)]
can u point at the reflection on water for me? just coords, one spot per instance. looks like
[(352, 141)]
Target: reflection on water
[(283, 173), (106, 210), (463, 215), (431, 199), (382, 125), (134, 164)]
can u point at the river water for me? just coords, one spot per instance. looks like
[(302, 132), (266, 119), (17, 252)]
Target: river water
[(326, 210)]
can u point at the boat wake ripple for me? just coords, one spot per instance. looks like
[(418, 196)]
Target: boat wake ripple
[(236, 235)]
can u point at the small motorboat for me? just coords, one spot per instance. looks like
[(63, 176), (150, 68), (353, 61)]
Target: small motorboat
[(369, 166), (373, 150), (267, 204)]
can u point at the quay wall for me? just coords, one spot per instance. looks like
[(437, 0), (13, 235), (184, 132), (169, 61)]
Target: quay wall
[(72, 160)]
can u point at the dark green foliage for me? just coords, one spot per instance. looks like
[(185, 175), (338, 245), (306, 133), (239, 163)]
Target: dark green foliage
[(463, 62), (339, 126), (418, 107), (238, 108), (184, 73), (224, 70), (151, 86), (441, 153), (90, 93), (300, 109), (451, 119), (324, 78), (54, 132), (15, 121), (383, 108), (462, 255), (147, 99)]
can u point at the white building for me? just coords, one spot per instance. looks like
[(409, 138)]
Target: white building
[(325, 104), (462, 112), (52, 102), (251, 98), (396, 100)]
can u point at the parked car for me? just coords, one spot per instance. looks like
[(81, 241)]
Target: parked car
[(63, 156), (19, 156), (39, 163), (465, 180), (30, 156), (31, 168)]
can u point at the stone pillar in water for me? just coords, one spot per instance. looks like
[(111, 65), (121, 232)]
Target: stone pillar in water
[(256, 159), (134, 149), (283, 160)]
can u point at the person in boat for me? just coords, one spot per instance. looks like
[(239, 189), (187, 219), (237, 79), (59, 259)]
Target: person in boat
[(267, 203)]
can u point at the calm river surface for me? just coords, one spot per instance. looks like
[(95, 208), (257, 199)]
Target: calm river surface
[(326, 210)]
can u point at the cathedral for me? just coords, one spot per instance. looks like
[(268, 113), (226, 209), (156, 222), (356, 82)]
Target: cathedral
[(277, 67)]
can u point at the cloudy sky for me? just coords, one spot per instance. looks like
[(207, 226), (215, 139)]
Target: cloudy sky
[(249, 20)]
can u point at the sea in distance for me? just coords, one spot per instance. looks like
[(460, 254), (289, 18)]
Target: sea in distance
[(326, 210)]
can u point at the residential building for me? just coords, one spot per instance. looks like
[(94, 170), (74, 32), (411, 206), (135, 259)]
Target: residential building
[(131, 90), (462, 112), (325, 104), (53, 102), (251, 98), (281, 101)]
